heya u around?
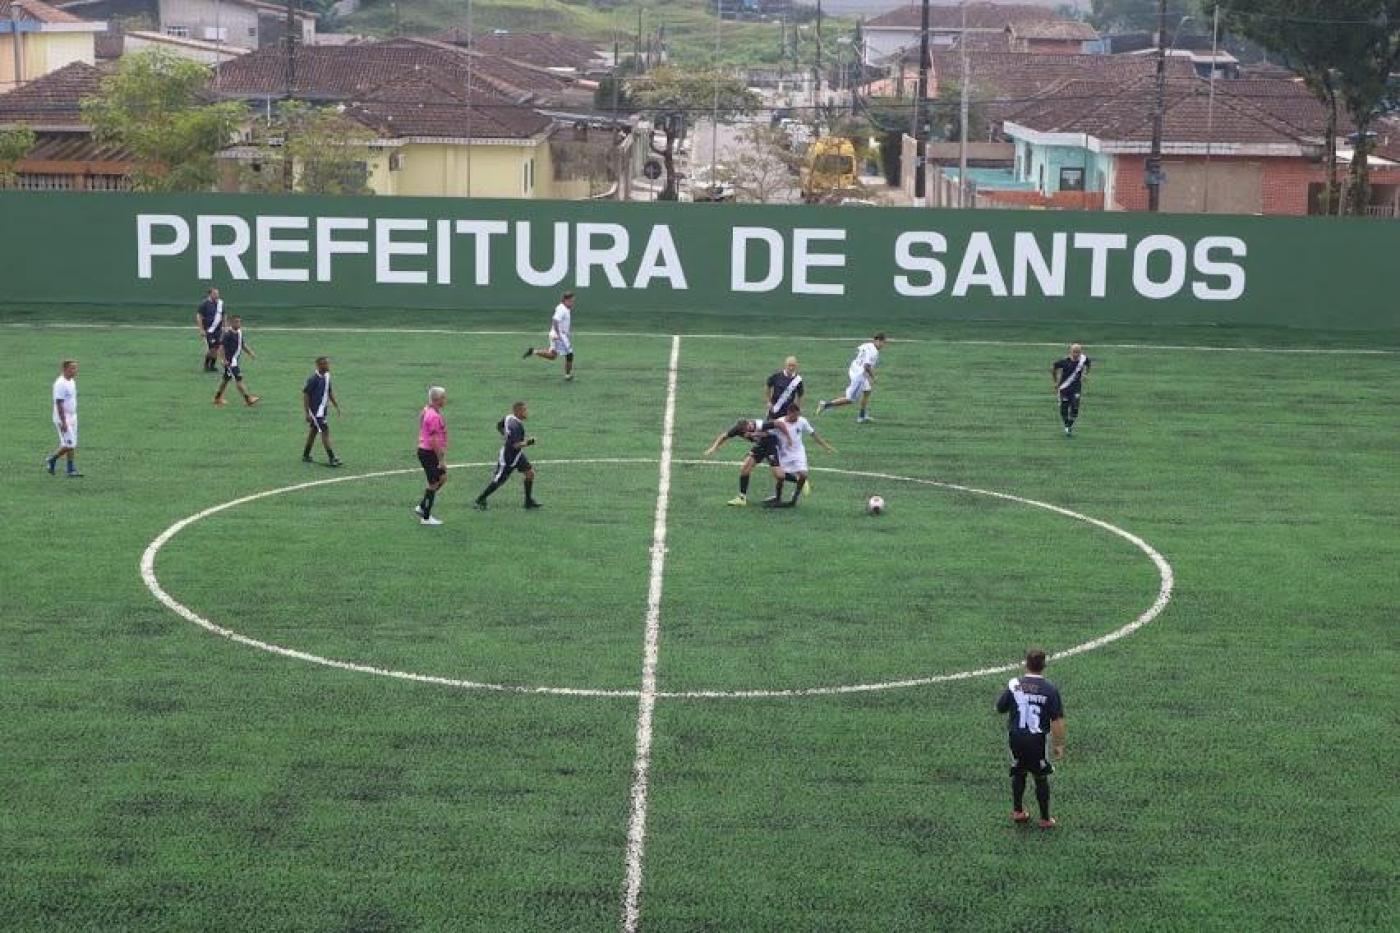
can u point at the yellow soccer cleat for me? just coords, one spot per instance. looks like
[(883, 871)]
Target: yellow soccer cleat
[(739, 500)]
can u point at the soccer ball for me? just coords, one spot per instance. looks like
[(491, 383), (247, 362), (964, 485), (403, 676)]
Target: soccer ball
[(876, 506)]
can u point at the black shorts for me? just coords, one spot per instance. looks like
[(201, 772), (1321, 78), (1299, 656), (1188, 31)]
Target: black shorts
[(765, 451), (323, 424), (233, 372), (504, 467), (432, 466), (1030, 754), (1070, 395), (212, 339)]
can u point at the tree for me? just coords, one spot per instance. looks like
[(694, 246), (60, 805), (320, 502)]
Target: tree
[(15, 143), (330, 151), (1345, 51), (945, 115), (672, 97), (763, 165), (1137, 15), (155, 108)]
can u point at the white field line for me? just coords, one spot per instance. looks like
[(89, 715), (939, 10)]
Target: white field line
[(646, 702), (855, 338), (148, 575)]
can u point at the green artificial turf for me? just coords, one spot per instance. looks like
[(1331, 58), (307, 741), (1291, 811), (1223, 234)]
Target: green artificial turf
[(1229, 765)]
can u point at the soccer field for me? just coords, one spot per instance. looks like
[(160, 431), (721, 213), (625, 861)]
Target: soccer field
[(330, 765)]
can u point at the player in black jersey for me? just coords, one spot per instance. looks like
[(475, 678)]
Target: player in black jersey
[(233, 347), (210, 321), (1033, 712), (512, 458), (1068, 376), (785, 389), (317, 398), (763, 434)]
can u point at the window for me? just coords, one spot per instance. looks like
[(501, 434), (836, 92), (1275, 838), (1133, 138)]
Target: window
[(529, 175), (252, 32), (177, 32), (1071, 179)]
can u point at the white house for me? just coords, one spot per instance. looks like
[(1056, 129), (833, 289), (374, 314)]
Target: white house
[(248, 24)]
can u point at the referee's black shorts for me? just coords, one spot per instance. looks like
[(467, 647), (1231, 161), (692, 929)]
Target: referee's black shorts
[(432, 466), (1029, 754)]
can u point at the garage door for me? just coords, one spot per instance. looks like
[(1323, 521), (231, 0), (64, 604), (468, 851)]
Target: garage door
[(1235, 188)]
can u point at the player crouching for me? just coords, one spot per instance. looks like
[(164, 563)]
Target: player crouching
[(763, 435)]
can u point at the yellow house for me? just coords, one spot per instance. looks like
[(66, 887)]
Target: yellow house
[(37, 39), (458, 150)]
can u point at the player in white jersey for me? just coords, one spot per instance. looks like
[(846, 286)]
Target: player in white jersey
[(65, 417), (792, 456), (862, 375), (561, 336)]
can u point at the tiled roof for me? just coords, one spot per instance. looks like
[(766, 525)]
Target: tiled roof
[(1123, 113), (1064, 30), (73, 147), (979, 16), (343, 72), (37, 11), (541, 49), (1006, 81), (424, 104), (54, 99), (1289, 101)]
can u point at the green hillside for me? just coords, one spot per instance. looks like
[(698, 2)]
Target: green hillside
[(689, 25)]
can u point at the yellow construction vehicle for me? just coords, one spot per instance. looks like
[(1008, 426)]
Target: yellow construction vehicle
[(829, 169)]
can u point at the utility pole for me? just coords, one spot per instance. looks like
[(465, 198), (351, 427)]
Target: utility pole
[(920, 135), (962, 116), (1159, 113), (1210, 108), (288, 169)]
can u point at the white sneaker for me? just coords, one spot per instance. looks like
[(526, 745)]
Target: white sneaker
[(432, 520), (418, 510)]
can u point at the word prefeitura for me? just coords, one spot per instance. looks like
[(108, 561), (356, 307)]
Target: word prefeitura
[(797, 261)]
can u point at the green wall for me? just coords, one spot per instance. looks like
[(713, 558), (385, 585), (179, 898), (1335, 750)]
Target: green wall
[(271, 251)]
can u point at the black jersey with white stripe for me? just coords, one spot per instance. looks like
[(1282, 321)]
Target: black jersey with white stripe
[(786, 390), (1071, 373), (318, 393)]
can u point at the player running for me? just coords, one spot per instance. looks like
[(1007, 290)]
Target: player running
[(512, 458), (1068, 376), (862, 374), (763, 434), (561, 339), (233, 347), (65, 418), (792, 456), (1032, 705), (315, 396), (432, 453), (210, 321)]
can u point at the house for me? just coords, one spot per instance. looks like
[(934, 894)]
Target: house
[(892, 32), (65, 157), (37, 39), (1248, 148), (447, 121), (1063, 36), (248, 24), (117, 43)]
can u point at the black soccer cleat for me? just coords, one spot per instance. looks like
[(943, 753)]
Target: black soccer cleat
[(529, 352), (335, 462), (306, 458), (532, 504), (479, 505)]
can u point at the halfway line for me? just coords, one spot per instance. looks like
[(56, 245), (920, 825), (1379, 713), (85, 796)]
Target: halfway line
[(646, 703)]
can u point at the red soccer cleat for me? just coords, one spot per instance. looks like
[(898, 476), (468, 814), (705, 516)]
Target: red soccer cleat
[(1020, 816), (1048, 824)]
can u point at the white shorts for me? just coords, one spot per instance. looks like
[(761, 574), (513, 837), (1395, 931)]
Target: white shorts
[(859, 386), (67, 438), (562, 345), (796, 464)]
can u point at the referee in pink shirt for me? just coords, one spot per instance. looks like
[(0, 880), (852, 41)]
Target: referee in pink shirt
[(432, 453)]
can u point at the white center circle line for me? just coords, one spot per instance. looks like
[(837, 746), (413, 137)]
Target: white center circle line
[(152, 582)]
